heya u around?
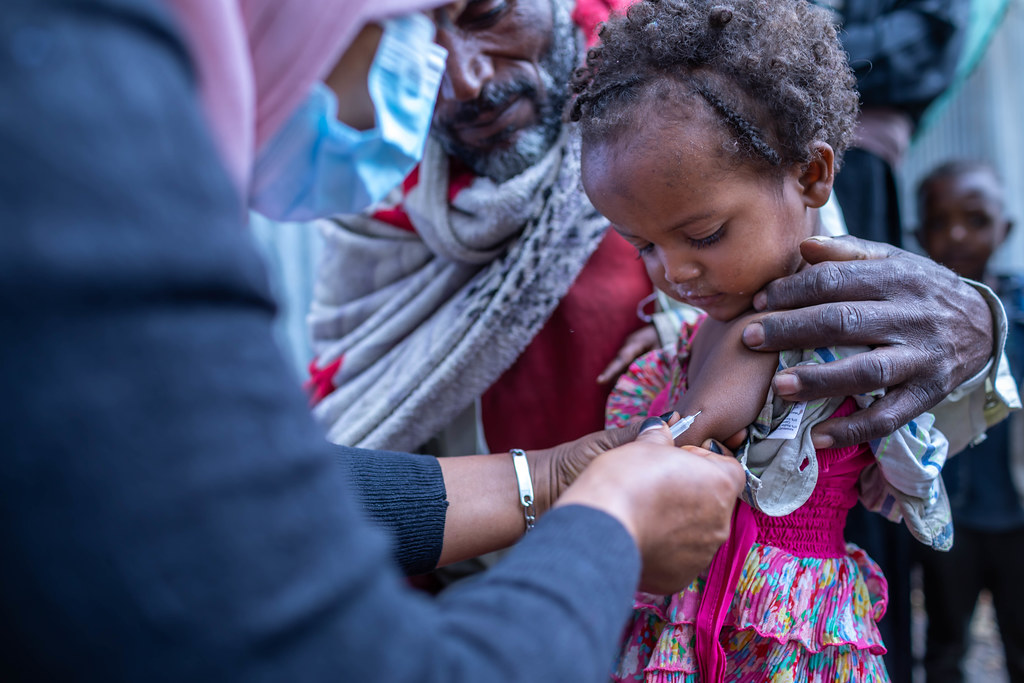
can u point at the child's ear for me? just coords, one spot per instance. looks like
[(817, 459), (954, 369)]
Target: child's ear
[(817, 176), (1009, 229)]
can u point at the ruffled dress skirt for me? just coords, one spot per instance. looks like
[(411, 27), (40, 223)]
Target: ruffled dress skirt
[(793, 620), (794, 603)]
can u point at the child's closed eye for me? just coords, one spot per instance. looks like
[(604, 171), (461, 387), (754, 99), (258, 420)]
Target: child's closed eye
[(709, 240)]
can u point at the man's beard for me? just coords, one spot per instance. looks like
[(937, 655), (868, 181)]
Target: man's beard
[(502, 163)]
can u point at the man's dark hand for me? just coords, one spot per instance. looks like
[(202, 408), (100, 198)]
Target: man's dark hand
[(930, 332)]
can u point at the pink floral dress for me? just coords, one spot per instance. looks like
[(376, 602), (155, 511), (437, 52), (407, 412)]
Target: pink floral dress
[(784, 600)]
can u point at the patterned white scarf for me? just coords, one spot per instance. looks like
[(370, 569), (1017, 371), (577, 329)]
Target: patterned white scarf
[(425, 322)]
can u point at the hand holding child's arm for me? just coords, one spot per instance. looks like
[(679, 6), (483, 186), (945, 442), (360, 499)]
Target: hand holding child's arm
[(676, 503), (930, 330)]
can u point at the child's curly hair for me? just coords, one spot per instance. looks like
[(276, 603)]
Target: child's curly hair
[(774, 71)]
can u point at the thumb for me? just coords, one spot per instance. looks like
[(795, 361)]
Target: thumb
[(654, 430), (845, 248)]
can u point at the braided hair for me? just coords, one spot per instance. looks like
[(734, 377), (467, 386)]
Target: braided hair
[(773, 71)]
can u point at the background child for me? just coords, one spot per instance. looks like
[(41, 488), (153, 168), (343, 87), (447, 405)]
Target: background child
[(711, 132), (963, 222)]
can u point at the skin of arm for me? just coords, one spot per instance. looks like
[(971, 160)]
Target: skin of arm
[(483, 508), (484, 513), (727, 382)]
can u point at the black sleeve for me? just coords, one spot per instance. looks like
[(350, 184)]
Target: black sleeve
[(169, 510), (904, 52), (405, 494)]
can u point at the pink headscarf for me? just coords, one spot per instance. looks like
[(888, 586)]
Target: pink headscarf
[(256, 60)]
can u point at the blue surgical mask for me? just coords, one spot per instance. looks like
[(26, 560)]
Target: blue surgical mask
[(318, 166)]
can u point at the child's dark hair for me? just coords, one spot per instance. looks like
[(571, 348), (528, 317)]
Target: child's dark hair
[(773, 71), (955, 167), (952, 168)]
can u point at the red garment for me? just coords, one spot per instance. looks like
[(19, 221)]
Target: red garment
[(551, 395), (590, 13)]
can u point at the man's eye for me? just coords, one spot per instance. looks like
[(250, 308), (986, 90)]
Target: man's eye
[(483, 13)]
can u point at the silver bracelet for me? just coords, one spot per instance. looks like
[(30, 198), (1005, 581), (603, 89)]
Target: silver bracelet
[(525, 486)]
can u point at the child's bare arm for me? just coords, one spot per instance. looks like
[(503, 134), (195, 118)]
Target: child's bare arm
[(727, 382)]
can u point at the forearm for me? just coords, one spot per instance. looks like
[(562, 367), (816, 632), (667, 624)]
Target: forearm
[(484, 513), (552, 610), (987, 310), (727, 383)]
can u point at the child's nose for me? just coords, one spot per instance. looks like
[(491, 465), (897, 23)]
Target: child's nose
[(681, 272), (958, 233)]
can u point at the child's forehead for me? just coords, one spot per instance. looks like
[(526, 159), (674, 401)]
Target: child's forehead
[(978, 183)]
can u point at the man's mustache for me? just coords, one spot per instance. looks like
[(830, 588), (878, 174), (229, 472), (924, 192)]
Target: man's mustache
[(492, 97)]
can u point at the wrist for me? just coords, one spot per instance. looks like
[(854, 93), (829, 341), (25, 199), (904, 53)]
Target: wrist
[(540, 468), (986, 313), (524, 480)]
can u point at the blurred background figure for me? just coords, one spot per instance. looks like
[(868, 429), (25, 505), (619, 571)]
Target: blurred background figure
[(904, 55), (976, 118), (963, 221)]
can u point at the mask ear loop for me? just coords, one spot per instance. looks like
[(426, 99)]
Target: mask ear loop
[(647, 300)]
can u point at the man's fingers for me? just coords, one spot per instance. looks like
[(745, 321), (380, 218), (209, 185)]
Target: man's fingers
[(833, 281), (859, 374), (881, 418), (619, 364), (849, 323), (626, 355), (614, 369), (845, 248)]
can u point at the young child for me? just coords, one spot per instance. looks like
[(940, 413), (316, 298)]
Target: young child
[(711, 132), (962, 222)]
